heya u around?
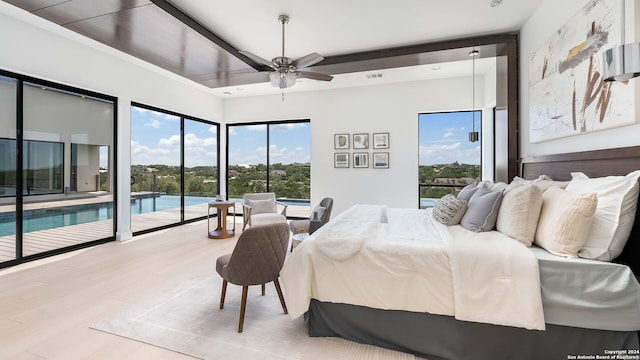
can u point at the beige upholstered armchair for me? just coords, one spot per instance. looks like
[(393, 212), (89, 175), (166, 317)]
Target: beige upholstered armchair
[(262, 208), (320, 215), (256, 260)]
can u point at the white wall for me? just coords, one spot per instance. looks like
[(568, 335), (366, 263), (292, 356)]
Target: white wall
[(390, 108), (33, 46), (548, 18)]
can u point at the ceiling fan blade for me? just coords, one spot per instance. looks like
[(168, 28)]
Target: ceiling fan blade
[(257, 59), (307, 60), (314, 75)]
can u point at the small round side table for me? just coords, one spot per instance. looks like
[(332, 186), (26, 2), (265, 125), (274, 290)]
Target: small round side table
[(222, 209)]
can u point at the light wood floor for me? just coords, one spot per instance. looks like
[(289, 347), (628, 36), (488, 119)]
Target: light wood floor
[(46, 307)]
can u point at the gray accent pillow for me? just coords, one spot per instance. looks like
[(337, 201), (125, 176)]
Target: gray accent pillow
[(449, 210), (482, 210), (468, 191)]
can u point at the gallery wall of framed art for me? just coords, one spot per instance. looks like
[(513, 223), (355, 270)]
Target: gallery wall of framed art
[(360, 158)]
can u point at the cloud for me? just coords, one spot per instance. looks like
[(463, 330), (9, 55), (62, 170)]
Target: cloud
[(174, 140), (288, 126), (154, 124), (447, 134), (446, 154)]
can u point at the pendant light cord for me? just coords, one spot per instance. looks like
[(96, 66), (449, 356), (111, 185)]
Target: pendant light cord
[(473, 53)]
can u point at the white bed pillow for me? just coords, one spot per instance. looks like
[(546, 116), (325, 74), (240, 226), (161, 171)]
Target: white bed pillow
[(519, 212), (614, 216), (543, 182), (564, 221), (482, 210), (449, 210)]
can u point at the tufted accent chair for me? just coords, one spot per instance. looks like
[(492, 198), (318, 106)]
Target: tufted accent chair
[(256, 260)]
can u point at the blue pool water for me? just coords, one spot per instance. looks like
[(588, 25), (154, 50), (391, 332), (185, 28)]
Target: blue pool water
[(42, 219)]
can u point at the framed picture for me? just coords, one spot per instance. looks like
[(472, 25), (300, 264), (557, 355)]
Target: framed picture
[(341, 141), (341, 160), (381, 160), (360, 160), (361, 141), (381, 141)]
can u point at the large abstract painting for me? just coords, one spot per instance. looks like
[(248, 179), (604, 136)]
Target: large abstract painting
[(567, 95)]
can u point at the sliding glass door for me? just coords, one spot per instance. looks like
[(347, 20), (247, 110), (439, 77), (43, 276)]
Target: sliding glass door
[(62, 202), (174, 167), (8, 168), (200, 167)]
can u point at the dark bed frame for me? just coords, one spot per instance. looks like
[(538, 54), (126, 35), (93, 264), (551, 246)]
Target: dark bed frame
[(437, 337)]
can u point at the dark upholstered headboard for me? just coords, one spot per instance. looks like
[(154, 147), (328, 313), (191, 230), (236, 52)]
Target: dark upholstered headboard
[(597, 163)]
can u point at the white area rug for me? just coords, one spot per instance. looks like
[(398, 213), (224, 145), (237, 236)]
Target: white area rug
[(187, 320)]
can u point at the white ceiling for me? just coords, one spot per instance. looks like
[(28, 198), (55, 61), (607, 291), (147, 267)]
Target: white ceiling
[(336, 27)]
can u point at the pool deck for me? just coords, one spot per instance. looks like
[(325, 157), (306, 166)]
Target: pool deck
[(45, 240)]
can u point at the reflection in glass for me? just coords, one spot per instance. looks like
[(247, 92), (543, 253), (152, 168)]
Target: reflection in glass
[(8, 168), (63, 134)]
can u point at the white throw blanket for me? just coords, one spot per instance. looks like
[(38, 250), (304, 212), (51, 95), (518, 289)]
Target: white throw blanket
[(402, 259)]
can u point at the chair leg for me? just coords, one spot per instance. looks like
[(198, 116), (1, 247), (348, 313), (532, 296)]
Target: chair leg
[(263, 287), (243, 306), (284, 306), (224, 293)]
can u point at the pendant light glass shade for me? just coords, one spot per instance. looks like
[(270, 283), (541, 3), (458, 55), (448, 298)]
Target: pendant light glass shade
[(622, 62), (282, 80)]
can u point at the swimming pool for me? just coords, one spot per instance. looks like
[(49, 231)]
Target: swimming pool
[(50, 218)]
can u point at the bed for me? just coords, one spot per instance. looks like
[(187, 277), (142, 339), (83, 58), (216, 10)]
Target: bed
[(588, 307)]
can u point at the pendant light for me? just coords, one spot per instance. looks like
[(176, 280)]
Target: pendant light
[(473, 135), (622, 62)]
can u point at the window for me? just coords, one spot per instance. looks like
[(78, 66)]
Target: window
[(271, 157), (174, 167), (447, 160), (43, 161)]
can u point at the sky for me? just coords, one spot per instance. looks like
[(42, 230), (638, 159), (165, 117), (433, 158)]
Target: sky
[(444, 138), (155, 139), (289, 143)]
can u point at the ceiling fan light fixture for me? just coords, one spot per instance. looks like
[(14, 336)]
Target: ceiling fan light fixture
[(282, 79)]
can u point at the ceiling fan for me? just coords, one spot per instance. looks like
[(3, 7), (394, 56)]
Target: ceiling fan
[(286, 70)]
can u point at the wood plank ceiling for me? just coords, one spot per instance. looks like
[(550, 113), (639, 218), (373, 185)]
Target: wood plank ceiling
[(159, 33)]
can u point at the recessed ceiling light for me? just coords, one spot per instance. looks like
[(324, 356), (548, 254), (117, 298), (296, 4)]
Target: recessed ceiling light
[(494, 3), (436, 67)]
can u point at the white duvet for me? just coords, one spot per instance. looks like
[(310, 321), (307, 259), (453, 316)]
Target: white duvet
[(402, 259)]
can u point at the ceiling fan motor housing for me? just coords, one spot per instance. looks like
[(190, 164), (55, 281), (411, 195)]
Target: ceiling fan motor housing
[(282, 62)]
